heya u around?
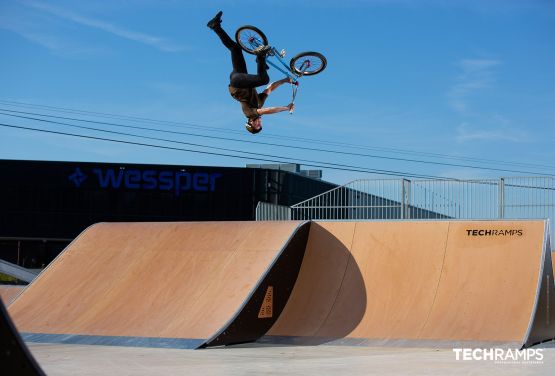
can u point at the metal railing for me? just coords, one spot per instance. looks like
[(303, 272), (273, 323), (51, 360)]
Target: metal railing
[(504, 198), (266, 212)]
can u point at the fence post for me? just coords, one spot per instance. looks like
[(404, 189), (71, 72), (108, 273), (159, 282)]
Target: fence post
[(501, 198), (405, 199)]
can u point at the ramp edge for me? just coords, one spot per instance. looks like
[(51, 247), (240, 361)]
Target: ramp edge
[(81, 339), (239, 328), (55, 261), (386, 342), (542, 329)]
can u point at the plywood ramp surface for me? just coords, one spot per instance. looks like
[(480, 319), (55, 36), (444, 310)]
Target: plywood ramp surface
[(419, 282), (488, 284), (159, 280), (9, 293)]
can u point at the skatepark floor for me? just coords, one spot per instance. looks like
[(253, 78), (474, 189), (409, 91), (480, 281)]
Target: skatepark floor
[(258, 359)]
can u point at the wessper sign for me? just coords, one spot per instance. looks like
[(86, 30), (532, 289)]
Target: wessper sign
[(164, 180)]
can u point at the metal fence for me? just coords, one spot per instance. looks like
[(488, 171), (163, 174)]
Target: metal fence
[(504, 198), (266, 211)]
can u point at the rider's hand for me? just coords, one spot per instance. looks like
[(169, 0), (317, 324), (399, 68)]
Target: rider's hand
[(291, 106)]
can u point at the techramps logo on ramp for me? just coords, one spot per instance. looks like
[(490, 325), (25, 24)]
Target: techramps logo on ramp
[(494, 232)]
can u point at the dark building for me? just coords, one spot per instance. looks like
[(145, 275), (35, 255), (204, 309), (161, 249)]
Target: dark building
[(44, 205)]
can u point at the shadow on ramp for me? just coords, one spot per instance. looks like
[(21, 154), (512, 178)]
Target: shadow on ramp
[(329, 299)]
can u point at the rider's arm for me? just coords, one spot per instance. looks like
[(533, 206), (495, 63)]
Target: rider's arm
[(273, 110), (274, 85)]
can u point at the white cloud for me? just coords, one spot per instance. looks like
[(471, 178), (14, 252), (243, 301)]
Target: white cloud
[(467, 133), (33, 32), (476, 75), (154, 41)]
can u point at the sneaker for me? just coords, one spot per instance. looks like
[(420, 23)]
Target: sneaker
[(262, 50), (216, 21)]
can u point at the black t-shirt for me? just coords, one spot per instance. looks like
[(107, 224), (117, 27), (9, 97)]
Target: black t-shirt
[(250, 100)]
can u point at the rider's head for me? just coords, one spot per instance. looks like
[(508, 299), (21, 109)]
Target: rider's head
[(254, 125)]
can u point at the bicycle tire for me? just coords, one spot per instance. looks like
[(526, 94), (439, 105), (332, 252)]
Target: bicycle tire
[(243, 37), (316, 60)]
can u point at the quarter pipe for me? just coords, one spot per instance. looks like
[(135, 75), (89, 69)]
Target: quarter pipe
[(467, 283), (176, 285)]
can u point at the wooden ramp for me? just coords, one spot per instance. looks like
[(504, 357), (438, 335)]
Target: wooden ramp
[(190, 285), (180, 285), (9, 292), (438, 283)]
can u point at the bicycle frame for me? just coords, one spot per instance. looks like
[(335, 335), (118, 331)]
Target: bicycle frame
[(276, 54), (287, 71)]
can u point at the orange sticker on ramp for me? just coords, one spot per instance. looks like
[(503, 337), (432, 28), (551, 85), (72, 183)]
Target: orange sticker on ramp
[(267, 308)]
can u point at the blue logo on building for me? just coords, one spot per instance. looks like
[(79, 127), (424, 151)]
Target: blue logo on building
[(176, 181), (77, 177)]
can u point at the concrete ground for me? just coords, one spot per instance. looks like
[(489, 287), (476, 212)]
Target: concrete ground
[(274, 360)]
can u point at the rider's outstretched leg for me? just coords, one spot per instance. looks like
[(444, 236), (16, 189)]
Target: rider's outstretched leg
[(239, 77), (237, 58)]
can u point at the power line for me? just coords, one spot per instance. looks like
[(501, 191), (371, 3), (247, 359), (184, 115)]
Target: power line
[(236, 140), (269, 135), (120, 117), (316, 164)]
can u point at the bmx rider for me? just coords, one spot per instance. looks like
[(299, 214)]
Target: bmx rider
[(242, 86)]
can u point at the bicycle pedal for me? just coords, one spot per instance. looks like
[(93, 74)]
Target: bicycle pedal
[(282, 53)]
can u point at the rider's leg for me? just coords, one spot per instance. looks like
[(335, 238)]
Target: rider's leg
[(237, 58), (262, 68), (243, 80), (239, 77)]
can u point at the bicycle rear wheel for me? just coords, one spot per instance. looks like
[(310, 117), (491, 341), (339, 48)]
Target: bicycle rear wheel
[(250, 37), (308, 63)]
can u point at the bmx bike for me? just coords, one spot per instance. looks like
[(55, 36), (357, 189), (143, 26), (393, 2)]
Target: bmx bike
[(303, 64)]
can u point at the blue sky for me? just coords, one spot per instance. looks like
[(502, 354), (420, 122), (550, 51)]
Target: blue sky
[(419, 87)]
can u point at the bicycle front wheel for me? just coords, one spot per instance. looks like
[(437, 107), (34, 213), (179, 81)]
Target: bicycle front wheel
[(249, 38), (308, 63)]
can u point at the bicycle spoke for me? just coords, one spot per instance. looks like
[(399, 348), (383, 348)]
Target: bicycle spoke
[(309, 64), (250, 38)]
